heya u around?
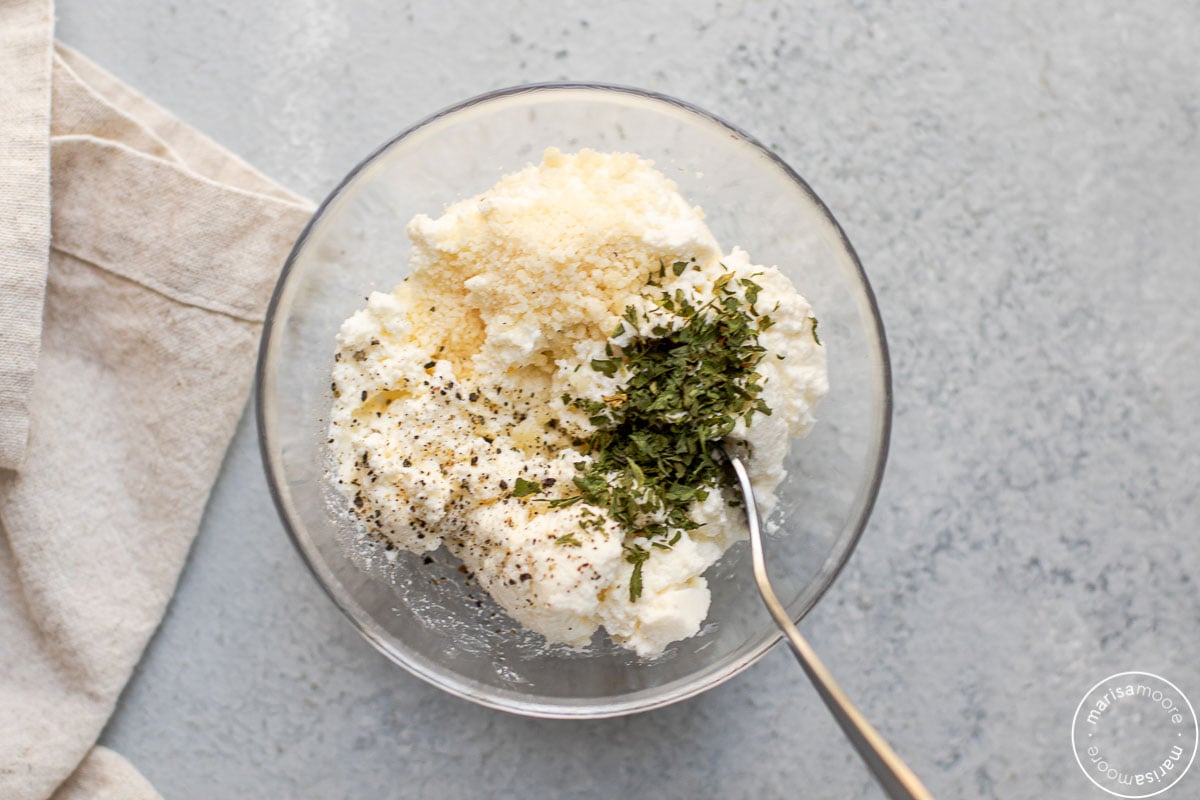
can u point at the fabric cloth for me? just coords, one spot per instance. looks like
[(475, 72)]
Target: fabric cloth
[(162, 252), (25, 36)]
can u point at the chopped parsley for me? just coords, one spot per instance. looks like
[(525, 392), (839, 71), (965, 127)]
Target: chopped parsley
[(524, 488), (636, 556), (559, 502), (655, 449)]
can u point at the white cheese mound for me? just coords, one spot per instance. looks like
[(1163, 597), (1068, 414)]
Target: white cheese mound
[(450, 388)]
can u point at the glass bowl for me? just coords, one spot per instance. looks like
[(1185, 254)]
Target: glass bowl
[(420, 611)]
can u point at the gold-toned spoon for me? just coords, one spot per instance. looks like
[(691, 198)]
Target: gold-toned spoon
[(897, 780)]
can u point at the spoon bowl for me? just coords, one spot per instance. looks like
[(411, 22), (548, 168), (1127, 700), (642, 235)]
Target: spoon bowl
[(427, 617)]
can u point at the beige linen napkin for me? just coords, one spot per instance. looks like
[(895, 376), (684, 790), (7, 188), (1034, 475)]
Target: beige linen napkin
[(163, 251), (25, 35)]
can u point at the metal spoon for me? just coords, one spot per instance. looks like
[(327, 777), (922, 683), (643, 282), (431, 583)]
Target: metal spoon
[(897, 780)]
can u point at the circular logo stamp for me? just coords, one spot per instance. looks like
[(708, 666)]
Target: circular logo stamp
[(1134, 734)]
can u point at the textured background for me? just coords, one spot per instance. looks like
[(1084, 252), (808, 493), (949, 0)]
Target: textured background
[(1022, 183)]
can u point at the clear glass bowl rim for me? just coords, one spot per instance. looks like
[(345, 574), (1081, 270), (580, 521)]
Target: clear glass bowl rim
[(606, 709)]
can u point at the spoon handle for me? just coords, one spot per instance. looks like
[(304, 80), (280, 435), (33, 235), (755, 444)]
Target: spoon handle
[(892, 774)]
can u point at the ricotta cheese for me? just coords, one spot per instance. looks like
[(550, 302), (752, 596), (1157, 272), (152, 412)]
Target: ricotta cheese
[(459, 412)]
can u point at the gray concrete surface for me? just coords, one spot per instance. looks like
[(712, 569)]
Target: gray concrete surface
[(1022, 182)]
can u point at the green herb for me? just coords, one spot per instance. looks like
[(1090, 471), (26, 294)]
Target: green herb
[(524, 488), (568, 540), (752, 289), (816, 338), (607, 367), (655, 450), (636, 556), (678, 267)]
